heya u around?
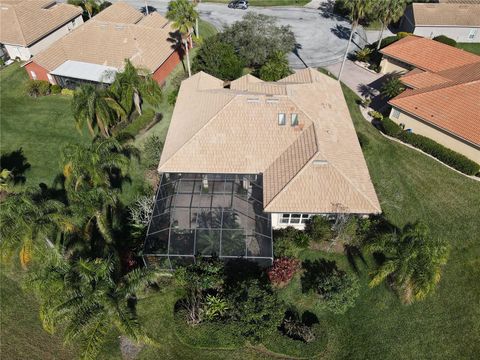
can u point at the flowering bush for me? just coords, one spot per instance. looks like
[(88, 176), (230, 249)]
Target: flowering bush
[(282, 271)]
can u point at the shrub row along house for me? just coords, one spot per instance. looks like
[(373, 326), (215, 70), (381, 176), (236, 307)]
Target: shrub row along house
[(30, 26), (459, 20), (96, 50), (442, 100), (244, 157)]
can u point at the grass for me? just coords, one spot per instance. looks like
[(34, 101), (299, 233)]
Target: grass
[(268, 2), (471, 47), (41, 126)]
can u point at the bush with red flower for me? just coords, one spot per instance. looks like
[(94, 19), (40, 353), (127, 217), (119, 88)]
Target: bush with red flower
[(282, 271)]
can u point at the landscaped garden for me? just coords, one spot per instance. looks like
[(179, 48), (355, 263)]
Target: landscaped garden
[(320, 298)]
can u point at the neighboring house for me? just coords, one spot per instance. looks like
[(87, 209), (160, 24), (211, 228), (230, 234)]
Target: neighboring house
[(30, 26), (442, 100), (95, 51), (243, 158), (459, 21)]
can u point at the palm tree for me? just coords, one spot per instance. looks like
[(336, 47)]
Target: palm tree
[(183, 15), (392, 87), (413, 261), (94, 107), (388, 11), (27, 221), (132, 85), (88, 299), (358, 10)]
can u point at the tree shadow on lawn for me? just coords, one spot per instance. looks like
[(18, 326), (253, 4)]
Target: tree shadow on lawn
[(16, 162)]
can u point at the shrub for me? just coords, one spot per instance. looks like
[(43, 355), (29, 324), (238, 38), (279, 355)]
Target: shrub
[(301, 239), (296, 329), (445, 40), (284, 247), (55, 89), (215, 307), (335, 287), (288, 241), (402, 34), (319, 228), (275, 68), (37, 88), (445, 155), (219, 59), (67, 92), (282, 271), (364, 54), (258, 310), (392, 87), (152, 150), (375, 115)]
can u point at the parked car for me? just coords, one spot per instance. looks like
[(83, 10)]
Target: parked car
[(238, 4)]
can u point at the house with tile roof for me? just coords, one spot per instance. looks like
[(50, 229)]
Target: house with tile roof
[(442, 99), (271, 153), (96, 50), (30, 26), (459, 20)]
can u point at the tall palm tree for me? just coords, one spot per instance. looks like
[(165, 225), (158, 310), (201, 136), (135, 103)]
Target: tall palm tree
[(132, 85), (183, 16), (388, 11), (358, 9), (94, 107), (413, 261), (89, 299), (28, 219)]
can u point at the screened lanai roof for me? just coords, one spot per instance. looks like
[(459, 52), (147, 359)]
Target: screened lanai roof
[(225, 219)]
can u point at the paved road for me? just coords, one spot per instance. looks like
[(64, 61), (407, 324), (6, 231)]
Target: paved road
[(322, 39)]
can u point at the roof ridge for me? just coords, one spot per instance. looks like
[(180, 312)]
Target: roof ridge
[(14, 8), (301, 168)]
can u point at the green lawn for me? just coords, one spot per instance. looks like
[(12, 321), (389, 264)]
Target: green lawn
[(41, 126), (472, 47), (268, 2)]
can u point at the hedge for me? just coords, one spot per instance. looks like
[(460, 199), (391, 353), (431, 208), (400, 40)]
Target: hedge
[(445, 155), (445, 40)]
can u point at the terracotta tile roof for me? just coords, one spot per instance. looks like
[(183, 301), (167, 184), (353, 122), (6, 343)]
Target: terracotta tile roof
[(243, 82), (217, 130), (422, 79), (447, 14), (119, 12), (24, 22), (425, 53), (453, 106), (110, 43)]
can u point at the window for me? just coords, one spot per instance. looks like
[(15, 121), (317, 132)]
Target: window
[(395, 113), (473, 33), (294, 119), (34, 75), (294, 219), (281, 119)]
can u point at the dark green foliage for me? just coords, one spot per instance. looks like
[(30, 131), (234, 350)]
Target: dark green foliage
[(257, 309), (301, 240), (152, 149), (296, 329), (392, 87), (36, 88), (55, 89), (205, 274), (257, 37), (275, 68), (319, 228), (288, 241), (445, 40), (219, 59), (445, 155), (335, 287)]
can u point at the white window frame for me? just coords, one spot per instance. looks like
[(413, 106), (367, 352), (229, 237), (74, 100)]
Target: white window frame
[(294, 119), (34, 74), (296, 219), (282, 119), (472, 34)]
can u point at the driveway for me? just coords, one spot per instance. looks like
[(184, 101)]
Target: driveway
[(321, 37)]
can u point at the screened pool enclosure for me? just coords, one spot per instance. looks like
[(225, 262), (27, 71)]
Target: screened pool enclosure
[(208, 215)]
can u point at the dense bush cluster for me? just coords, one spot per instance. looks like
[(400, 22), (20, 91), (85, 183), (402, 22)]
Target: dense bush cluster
[(445, 155), (445, 40), (289, 241), (36, 88), (282, 271), (319, 229)]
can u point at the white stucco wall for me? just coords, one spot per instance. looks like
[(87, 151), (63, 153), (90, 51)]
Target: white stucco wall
[(420, 127), (459, 34), (25, 53)]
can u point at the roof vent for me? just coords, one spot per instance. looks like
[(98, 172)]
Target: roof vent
[(253, 100), (320, 162), (272, 101)]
